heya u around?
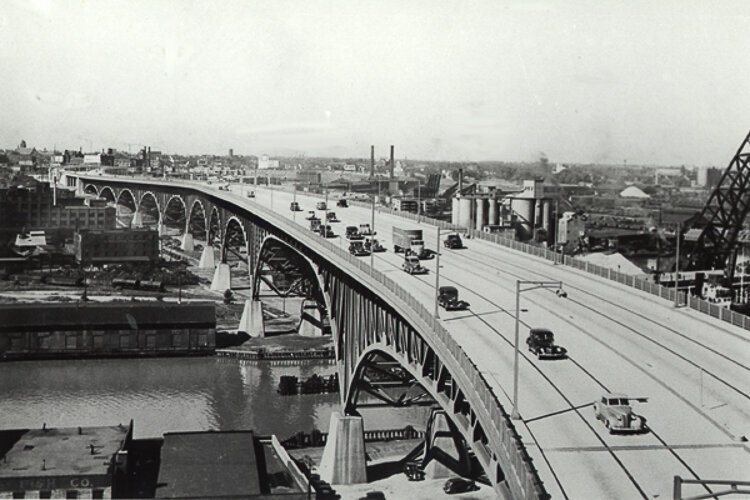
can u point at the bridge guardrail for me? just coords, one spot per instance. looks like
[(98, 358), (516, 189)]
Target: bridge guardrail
[(504, 433)]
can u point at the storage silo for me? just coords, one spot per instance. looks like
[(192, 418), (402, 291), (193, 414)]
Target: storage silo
[(480, 220), (524, 209), (454, 210), (465, 212), (492, 218)]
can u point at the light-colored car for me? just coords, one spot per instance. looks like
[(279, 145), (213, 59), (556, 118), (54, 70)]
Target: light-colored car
[(617, 413)]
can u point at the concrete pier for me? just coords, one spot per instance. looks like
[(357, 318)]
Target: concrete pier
[(187, 244), (137, 220), (207, 258), (222, 278), (343, 460), (251, 321), (162, 229)]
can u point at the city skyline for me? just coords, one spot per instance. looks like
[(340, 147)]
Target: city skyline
[(594, 83)]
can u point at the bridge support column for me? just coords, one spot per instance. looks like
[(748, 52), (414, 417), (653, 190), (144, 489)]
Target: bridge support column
[(162, 229), (252, 319), (343, 460), (311, 321), (445, 452), (222, 278), (187, 244), (137, 220), (207, 258)]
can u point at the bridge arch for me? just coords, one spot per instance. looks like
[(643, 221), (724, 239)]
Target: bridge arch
[(197, 218), (127, 199), (108, 194), (91, 189), (149, 205), (175, 213), (214, 227)]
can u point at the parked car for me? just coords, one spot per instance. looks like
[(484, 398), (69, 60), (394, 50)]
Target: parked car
[(352, 233), (374, 245), (459, 485), (321, 205), (453, 241), (617, 413), (294, 207), (342, 203), (357, 248), (331, 216), (412, 266), (448, 299), (542, 343)]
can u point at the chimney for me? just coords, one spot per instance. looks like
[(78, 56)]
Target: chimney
[(372, 162), (392, 162)]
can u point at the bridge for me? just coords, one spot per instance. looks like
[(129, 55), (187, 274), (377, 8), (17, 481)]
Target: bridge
[(392, 349)]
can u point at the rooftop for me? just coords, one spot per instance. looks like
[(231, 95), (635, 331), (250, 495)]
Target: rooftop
[(208, 464), (60, 452), (114, 314)]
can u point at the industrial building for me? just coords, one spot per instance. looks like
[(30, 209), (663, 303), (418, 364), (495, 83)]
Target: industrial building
[(42, 207), (62, 330), (116, 246)]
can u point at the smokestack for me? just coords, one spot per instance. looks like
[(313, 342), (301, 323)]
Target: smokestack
[(460, 180), (372, 162), (392, 162)]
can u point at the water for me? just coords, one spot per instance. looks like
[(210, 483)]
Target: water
[(172, 394)]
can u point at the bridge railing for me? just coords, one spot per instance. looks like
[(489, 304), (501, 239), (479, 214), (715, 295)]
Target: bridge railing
[(523, 478)]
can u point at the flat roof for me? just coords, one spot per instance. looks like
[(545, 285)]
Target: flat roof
[(208, 464), (61, 451), (113, 314)]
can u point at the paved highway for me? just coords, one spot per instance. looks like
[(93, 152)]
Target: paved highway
[(692, 368)]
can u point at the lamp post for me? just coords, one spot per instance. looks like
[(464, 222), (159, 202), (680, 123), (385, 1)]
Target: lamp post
[(372, 235), (419, 202), (677, 267), (557, 231), (437, 273), (294, 199), (533, 285)]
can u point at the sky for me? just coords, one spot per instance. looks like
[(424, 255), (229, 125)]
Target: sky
[(602, 81)]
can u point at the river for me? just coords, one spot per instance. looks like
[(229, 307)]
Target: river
[(173, 394)]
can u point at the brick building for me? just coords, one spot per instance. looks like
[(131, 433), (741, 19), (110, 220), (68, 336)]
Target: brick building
[(116, 245)]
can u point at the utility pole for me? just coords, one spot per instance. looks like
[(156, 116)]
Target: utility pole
[(372, 235)]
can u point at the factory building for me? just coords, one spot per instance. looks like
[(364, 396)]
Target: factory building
[(116, 246)]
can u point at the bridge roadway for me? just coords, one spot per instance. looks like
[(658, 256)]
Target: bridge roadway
[(693, 368)]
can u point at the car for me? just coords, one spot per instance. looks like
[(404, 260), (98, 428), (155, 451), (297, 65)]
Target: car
[(412, 266), (311, 215), (294, 207), (251, 194), (326, 231), (315, 225), (459, 485), (321, 205), (331, 216), (352, 233), (373, 245), (541, 342), (357, 248), (364, 229), (617, 414), (342, 203), (453, 241), (448, 299)]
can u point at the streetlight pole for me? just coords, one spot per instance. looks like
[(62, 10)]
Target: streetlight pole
[(419, 202), (534, 285), (557, 231), (372, 235), (294, 213), (437, 273), (677, 268)]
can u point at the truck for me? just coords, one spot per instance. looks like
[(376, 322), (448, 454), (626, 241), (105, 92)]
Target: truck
[(453, 241), (412, 266), (617, 413), (409, 241), (541, 342), (448, 299)]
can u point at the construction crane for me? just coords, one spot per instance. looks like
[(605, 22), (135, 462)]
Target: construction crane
[(722, 218)]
